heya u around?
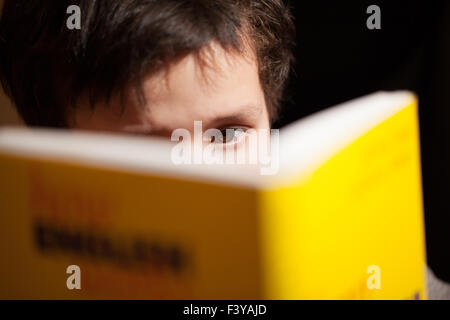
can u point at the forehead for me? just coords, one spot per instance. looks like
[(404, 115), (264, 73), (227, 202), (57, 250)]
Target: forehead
[(203, 87), (221, 85)]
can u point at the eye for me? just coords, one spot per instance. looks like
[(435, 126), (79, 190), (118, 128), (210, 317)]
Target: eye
[(230, 135)]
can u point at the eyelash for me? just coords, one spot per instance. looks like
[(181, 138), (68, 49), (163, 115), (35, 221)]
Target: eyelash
[(235, 140)]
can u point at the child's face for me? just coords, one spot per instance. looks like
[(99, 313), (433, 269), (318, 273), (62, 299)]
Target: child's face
[(228, 95)]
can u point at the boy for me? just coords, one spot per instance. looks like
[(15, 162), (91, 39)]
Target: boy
[(147, 67)]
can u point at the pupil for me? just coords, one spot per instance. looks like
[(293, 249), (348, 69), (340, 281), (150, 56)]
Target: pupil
[(227, 135)]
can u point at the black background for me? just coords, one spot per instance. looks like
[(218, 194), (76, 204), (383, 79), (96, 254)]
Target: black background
[(338, 58)]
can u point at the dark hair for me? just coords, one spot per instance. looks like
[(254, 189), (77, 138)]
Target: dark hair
[(45, 67)]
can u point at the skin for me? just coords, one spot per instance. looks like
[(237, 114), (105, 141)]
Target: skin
[(224, 94)]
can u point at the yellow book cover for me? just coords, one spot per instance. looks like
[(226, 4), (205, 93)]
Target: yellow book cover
[(96, 216)]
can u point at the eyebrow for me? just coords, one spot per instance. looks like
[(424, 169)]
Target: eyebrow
[(245, 113)]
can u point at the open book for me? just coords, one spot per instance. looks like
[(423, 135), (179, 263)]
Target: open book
[(341, 218)]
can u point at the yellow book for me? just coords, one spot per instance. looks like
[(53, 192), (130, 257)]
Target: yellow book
[(342, 218)]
